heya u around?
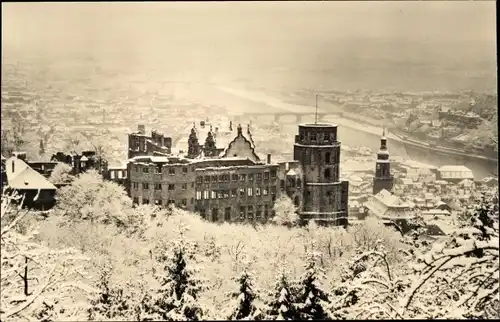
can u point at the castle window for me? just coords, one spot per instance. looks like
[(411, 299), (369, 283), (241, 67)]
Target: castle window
[(145, 186), (250, 212), (203, 213), (184, 169), (221, 178), (242, 192), (265, 191), (171, 187), (266, 175), (233, 193), (327, 173), (326, 138), (250, 177), (145, 170), (226, 194), (243, 177), (259, 176), (213, 195), (273, 190), (157, 186), (184, 202), (158, 170), (257, 191), (250, 192), (207, 179), (215, 214), (299, 183), (235, 177), (219, 195), (242, 213), (214, 179), (327, 157), (227, 214), (273, 173), (199, 180), (266, 211), (198, 195), (258, 213), (313, 136), (171, 171), (184, 186), (206, 195)]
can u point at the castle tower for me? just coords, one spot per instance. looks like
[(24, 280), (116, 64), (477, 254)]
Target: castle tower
[(383, 178), (193, 144), (325, 197)]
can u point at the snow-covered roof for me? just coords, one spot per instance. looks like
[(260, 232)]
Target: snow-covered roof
[(454, 168), (21, 176)]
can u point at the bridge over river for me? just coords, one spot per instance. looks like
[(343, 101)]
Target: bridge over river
[(287, 117)]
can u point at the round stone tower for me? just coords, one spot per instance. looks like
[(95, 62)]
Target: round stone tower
[(325, 196)]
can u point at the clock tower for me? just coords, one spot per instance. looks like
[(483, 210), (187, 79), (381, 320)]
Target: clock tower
[(383, 178)]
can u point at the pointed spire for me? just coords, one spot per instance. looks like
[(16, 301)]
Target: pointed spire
[(248, 128), (240, 130), (383, 133)]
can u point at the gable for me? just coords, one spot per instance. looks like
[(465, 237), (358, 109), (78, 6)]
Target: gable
[(242, 148)]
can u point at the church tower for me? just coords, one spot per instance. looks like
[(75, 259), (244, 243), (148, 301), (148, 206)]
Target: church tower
[(383, 178), (193, 144)]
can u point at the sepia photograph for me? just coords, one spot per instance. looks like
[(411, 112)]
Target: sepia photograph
[(249, 160)]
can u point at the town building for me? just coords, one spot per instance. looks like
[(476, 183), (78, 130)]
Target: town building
[(387, 206), (325, 197), (140, 144), (454, 173), (33, 188), (383, 178), (79, 162)]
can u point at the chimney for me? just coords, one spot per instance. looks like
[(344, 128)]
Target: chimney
[(141, 129), (269, 158)]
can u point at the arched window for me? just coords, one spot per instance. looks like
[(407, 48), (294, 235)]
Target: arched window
[(327, 157), (299, 182), (327, 173)]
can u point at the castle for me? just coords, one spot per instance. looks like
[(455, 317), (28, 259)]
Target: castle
[(232, 184)]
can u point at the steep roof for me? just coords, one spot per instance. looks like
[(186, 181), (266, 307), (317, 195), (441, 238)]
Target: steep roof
[(23, 177)]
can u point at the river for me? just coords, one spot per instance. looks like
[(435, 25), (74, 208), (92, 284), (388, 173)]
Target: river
[(354, 134)]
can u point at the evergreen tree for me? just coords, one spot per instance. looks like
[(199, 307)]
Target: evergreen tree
[(312, 301), (110, 303), (176, 298), (281, 302), (244, 305)]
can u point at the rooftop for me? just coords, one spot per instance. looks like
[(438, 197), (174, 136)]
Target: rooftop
[(317, 125), (23, 177)]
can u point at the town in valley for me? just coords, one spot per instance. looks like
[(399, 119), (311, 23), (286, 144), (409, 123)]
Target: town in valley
[(197, 188)]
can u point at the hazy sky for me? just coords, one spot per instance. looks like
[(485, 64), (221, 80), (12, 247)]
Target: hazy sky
[(464, 20), (242, 35)]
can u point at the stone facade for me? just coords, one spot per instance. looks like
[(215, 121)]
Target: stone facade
[(140, 144), (325, 198)]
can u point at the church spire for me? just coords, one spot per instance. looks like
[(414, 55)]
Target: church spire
[(383, 141)]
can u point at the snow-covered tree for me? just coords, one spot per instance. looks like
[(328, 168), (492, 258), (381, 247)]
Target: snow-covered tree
[(280, 305), (34, 276), (176, 298), (91, 198), (61, 174), (459, 276), (244, 302), (110, 302), (312, 301), (285, 212)]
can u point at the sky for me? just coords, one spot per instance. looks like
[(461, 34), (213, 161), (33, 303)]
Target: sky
[(232, 36)]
